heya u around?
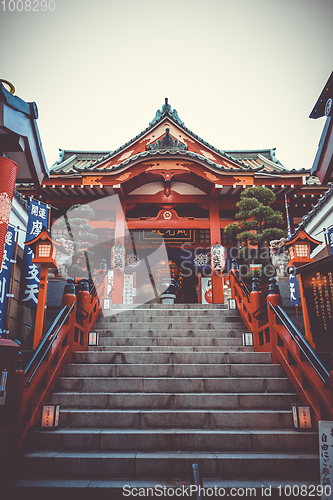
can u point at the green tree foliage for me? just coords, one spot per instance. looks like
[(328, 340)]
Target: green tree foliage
[(257, 220), (74, 226), (257, 224)]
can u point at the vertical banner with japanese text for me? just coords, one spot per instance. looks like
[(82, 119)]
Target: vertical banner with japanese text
[(128, 289), (325, 431), (294, 296), (5, 274), (38, 217), (330, 240)]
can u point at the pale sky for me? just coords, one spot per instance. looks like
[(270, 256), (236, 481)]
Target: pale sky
[(242, 74)]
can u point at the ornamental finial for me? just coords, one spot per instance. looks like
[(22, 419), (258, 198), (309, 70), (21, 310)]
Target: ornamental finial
[(166, 110)]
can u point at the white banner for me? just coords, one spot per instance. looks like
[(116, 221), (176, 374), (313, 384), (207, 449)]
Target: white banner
[(128, 289)]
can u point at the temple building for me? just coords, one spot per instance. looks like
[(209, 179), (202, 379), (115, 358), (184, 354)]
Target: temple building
[(168, 185)]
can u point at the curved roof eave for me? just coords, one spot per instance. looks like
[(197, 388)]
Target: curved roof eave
[(179, 153), (309, 216)]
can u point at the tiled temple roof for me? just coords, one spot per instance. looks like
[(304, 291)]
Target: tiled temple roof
[(326, 198), (77, 162)]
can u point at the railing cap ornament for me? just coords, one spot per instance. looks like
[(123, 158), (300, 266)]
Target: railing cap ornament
[(273, 288), (234, 264), (70, 287), (84, 285), (103, 266), (255, 286)]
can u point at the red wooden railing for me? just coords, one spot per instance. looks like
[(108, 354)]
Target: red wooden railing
[(68, 333), (274, 332)]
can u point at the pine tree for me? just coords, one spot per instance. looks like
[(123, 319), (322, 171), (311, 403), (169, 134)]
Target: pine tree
[(75, 227), (256, 224)]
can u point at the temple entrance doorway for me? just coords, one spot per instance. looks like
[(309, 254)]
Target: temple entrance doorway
[(187, 293)]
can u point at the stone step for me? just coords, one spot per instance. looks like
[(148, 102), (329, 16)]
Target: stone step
[(176, 401), (173, 324), (157, 306), (172, 316), (167, 311), (173, 370), (159, 488), (194, 419), (159, 357), (259, 465), (234, 440), (169, 386), (177, 348), (172, 334), (173, 385), (169, 341)]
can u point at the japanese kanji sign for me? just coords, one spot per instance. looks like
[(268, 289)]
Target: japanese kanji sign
[(294, 297), (326, 457), (38, 217), (169, 235), (5, 274), (128, 289)]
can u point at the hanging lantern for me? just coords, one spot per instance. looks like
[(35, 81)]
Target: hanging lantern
[(8, 170), (217, 258), (118, 254)]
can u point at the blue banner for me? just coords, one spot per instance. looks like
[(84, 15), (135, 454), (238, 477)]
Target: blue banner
[(5, 274), (330, 239), (38, 217), (294, 297)]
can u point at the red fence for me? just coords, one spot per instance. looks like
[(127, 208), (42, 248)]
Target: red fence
[(274, 332), (68, 333)]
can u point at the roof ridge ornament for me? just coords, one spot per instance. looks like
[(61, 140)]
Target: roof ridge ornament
[(166, 110), (167, 143)]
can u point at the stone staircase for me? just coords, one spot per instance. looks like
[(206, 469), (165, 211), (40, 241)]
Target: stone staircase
[(169, 386)]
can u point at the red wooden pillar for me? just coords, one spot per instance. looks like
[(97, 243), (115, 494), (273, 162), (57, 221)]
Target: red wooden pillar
[(40, 310), (274, 298), (215, 237), (119, 237), (8, 171)]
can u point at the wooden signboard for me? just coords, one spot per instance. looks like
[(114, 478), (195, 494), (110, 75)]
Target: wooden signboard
[(317, 281), (169, 235)]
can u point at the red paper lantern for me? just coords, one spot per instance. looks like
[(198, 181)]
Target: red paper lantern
[(8, 171)]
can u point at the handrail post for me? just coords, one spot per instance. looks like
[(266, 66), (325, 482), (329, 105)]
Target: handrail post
[(234, 267), (83, 307), (275, 299), (197, 480), (68, 299), (257, 302), (104, 270)]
